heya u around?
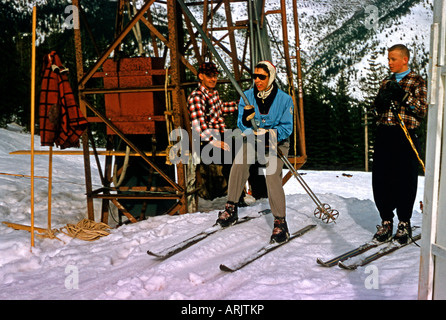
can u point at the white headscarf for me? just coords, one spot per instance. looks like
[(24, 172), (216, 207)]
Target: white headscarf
[(272, 77)]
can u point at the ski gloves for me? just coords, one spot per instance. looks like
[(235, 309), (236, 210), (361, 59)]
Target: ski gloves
[(391, 91), (248, 114)]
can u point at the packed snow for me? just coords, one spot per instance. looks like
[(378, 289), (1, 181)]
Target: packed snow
[(117, 266)]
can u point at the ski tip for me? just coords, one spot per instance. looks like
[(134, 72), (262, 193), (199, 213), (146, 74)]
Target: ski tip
[(347, 267), (156, 255), (225, 268), (322, 263)]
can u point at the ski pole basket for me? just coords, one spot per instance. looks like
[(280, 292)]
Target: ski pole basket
[(323, 210)]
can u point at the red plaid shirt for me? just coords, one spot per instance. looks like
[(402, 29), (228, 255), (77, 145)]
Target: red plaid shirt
[(206, 111), (416, 107)]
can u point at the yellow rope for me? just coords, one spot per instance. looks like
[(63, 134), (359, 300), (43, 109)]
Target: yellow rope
[(87, 230), (51, 234)]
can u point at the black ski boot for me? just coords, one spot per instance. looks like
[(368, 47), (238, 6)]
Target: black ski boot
[(229, 216), (384, 232), (403, 233), (280, 231)]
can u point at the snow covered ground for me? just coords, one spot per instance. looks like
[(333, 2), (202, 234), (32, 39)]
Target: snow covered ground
[(117, 266)]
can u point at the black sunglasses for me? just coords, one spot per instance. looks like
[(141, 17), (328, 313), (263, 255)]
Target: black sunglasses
[(260, 76)]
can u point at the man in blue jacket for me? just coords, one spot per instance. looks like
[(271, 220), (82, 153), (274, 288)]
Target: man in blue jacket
[(272, 111)]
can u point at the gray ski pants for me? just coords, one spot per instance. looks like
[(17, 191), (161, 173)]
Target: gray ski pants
[(245, 157)]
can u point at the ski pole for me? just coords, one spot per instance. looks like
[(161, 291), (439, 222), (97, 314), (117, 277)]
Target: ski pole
[(406, 132), (323, 210)]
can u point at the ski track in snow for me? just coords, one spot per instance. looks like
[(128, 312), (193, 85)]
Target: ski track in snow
[(117, 266)]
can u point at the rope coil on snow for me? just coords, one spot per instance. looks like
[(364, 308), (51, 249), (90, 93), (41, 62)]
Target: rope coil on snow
[(51, 234), (87, 230)]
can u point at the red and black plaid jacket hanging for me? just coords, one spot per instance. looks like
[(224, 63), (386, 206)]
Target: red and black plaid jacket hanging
[(61, 120)]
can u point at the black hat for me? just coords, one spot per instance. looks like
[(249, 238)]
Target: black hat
[(208, 67)]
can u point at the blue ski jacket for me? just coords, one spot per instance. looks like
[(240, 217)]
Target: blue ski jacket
[(279, 117)]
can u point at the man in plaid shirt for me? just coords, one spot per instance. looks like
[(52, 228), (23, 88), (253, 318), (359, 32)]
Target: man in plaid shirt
[(208, 124), (395, 165), (206, 108)]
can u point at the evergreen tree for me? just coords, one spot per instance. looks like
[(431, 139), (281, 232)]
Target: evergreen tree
[(333, 127), (370, 85), (347, 127), (320, 140), (15, 49)]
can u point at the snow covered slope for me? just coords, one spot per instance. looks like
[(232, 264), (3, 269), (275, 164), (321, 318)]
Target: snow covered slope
[(340, 36), (117, 266)]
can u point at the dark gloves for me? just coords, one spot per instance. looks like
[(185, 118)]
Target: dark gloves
[(248, 114), (391, 91), (396, 92)]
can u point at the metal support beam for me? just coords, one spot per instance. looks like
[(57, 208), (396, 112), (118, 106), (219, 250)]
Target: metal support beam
[(178, 44), (82, 106), (432, 279)]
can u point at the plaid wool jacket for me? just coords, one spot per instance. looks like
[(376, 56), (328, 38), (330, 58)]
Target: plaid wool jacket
[(206, 111), (415, 108), (60, 118)]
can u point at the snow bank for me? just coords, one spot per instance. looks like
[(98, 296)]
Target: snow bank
[(117, 266)]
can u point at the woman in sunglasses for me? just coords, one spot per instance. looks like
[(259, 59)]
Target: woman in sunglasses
[(271, 109)]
